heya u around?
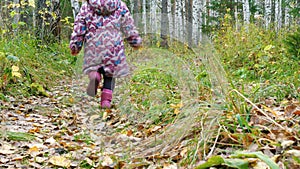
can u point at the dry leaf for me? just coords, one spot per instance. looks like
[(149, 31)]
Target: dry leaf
[(33, 151), (40, 159), (294, 153), (7, 149), (107, 162), (170, 166), (260, 165), (60, 161), (51, 141), (287, 143)]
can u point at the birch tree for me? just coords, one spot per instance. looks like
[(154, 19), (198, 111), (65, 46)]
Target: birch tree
[(75, 7), (136, 12), (246, 12), (278, 14), (268, 13), (144, 16), (189, 23), (164, 24), (287, 14)]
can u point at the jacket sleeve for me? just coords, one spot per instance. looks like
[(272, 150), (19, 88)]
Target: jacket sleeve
[(79, 30), (128, 28)]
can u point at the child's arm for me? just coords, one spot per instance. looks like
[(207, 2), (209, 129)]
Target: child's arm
[(129, 29), (79, 31)]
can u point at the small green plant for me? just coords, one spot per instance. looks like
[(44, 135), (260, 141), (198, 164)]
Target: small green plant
[(29, 69), (84, 137), (292, 44)]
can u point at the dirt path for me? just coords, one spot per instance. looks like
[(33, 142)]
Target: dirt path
[(68, 128)]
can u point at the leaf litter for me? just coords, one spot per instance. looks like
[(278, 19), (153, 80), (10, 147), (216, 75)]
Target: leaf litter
[(67, 129)]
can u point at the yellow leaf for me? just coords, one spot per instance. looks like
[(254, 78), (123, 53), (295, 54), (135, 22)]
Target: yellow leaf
[(31, 3), (16, 74), (174, 106), (268, 47), (15, 68), (60, 161), (176, 111)]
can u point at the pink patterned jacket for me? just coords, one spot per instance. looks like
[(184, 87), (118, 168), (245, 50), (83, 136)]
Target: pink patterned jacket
[(101, 26)]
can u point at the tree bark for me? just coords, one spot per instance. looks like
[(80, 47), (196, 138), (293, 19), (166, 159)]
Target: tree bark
[(268, 13), (164, 24), (189, 23), (75, 7)]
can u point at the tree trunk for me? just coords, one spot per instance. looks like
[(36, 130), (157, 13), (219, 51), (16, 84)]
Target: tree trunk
[(182, 11), (16, 17), (236, 14), (39, 24), (189, 23), (164, 24), (173, 11), (144, 17), (55, 21), (75, 7), (278, 14), (268, 13), (246, 10), (136, 12), (287, 16)]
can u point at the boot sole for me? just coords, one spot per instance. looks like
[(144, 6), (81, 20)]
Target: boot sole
[(92, 87)]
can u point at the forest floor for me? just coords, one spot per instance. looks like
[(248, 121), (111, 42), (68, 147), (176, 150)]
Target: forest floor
[(67, 129)]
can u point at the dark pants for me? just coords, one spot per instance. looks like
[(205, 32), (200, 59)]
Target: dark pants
[(108, 82)]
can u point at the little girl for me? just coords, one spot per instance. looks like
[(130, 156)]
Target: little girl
[(100, 26)]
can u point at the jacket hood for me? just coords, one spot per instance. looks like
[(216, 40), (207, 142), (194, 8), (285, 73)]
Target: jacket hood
[(104, 7)]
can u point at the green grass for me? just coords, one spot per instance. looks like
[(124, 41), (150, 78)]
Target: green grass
[(17, 136), (258, 58), (39, 66)]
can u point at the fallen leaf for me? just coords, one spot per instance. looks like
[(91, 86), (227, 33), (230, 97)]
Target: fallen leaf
[(107, 162), (287, 143), (51, 141), (33, 151), (60, 161), (40, 159), (294, 153), (7, 149), (260, 165), (170, 166), (296, 112)]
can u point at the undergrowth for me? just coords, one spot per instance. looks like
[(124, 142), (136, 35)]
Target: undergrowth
[(258, 61), (30, 68)]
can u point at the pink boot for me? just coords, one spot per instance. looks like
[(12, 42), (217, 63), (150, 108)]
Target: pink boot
[(95, 79), (106, 98)]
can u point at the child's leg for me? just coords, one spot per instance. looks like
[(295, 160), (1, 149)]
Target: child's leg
[(108, 87), (95, 79), (108, 83)]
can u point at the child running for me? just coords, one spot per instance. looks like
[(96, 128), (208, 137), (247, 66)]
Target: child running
[(101, 26)]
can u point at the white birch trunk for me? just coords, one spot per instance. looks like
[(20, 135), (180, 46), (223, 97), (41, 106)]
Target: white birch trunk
[(183, 19), (170, 17), (144, 17), (178, 19), (201, 8), (75, 7), (153, 16), (287, 16), (246, 11), (268, 12), (236, 15), (278, 14), (173, 30), (196, 12)]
